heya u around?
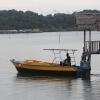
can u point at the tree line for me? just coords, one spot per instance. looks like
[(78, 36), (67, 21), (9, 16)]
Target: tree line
[(19, 20)]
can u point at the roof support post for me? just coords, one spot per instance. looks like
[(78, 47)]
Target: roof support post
[(84, 40), (90, 49)]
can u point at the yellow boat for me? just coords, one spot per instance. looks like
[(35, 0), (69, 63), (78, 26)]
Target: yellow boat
[(34, 67)]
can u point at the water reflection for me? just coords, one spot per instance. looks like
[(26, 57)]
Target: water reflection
[(87, 87), (54, 88), (91, 88)]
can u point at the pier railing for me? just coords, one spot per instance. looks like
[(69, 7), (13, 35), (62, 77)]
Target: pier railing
[(93, 47)]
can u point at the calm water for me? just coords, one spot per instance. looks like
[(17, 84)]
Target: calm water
[(30, 46)]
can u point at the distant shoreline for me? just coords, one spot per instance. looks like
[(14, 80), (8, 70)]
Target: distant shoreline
[(18, 31), (31, 31)]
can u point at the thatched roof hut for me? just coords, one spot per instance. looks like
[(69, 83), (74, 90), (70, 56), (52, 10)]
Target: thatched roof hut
[(88, 21)]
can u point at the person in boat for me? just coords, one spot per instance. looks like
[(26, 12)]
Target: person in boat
[(67, 61)]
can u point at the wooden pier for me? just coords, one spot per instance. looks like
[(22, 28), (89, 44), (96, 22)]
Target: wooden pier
[(88, 22)]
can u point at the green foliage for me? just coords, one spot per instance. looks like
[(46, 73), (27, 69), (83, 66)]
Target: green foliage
[(18, 20)]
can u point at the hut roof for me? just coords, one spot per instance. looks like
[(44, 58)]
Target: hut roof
[(88, 21)]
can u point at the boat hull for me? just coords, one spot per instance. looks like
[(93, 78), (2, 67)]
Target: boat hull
[(44, 69), (29, 72)]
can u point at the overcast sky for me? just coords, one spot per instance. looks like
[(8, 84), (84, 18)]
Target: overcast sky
[(50, 6)]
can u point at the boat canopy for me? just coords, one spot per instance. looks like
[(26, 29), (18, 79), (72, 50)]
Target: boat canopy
[(58, 53)]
